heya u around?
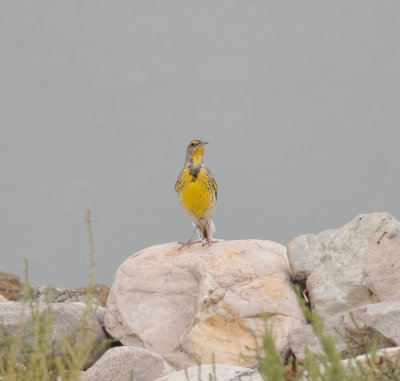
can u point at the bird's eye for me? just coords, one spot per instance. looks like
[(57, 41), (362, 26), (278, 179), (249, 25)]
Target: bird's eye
[(192, 144)]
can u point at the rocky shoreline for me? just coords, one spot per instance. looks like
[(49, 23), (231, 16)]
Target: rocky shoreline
[(171, 309)]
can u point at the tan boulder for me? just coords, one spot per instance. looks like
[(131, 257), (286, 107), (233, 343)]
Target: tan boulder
[(188, 304)]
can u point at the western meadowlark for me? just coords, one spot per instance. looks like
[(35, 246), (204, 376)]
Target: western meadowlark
[(197, 192)]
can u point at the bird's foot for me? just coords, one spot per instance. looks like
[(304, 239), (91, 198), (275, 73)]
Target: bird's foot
[(208, 243), (186, 244)]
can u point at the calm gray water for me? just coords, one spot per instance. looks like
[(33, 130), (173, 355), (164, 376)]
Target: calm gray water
[(300, 102)]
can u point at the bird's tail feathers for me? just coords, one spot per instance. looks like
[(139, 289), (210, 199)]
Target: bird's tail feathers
[(206, 232)]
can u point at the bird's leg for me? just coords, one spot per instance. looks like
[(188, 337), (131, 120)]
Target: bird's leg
[(189, 242), (208, 242), (209, 239)]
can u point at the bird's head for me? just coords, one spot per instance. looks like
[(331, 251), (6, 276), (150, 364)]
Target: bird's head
[(194, 151)]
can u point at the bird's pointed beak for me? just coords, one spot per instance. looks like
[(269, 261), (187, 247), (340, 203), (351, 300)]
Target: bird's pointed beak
[(203, 143)]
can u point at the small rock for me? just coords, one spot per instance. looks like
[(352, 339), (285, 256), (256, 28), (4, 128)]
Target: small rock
[(120, 363), (221, 372), (351, 266), (100, 292), (188, 304), (3, 299), (379, 319), (58, 295), (67, 319)]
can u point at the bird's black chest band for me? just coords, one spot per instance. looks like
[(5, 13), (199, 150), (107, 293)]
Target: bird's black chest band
[(195, 173)]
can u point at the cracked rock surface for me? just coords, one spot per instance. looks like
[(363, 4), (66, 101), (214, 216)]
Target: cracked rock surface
[(187, 304), (348, 267)]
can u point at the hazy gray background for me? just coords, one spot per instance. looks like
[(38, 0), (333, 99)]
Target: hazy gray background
[(300, 101)]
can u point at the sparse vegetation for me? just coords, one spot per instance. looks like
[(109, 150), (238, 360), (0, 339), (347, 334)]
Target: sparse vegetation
[(31, 354), (10, 286), (328, 366)]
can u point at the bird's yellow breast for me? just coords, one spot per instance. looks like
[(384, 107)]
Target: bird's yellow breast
[(196, 194)]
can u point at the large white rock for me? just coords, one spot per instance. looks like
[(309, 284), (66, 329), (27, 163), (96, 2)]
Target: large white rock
[(218, 372), (120, 363), (351, 266), (188, 304)]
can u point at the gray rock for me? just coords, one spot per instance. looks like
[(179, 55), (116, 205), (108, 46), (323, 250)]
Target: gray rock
[(67, 319), (222, 372), (58, 295), (118, 364), (380, 321), (351, 266)]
